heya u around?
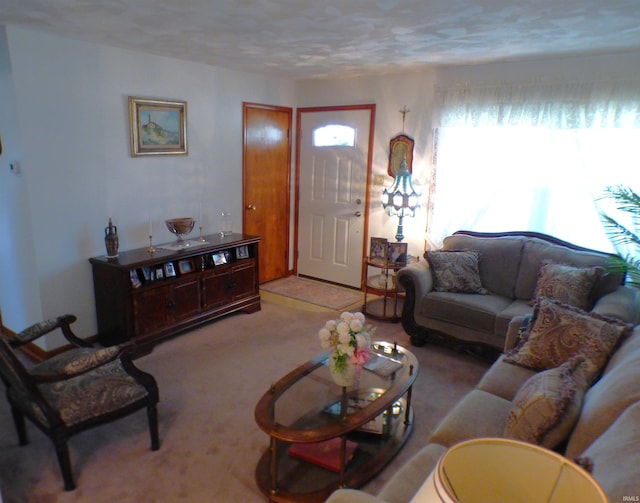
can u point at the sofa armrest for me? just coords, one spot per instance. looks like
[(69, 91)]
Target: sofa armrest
[(512, 337), (352, 496), (419, 274), (417, 281), (623, 304)]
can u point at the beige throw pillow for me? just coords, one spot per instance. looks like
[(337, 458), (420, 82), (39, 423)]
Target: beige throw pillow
[(547, 406), (568, 284), (455, 271), (558, 332)]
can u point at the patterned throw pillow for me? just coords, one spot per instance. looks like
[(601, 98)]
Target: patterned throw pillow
[(455, 271), (547, 406), (558, 332), (568, 284)]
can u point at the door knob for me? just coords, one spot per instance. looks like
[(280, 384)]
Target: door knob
[(251, 207), (358, 213)]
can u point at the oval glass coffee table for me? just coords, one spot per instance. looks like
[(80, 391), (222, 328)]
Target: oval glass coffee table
[(324, 436)]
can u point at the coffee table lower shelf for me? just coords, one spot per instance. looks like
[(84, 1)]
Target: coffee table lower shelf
[(303, 481)]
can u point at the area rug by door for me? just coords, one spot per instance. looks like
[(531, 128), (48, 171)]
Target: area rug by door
[(314, 292)]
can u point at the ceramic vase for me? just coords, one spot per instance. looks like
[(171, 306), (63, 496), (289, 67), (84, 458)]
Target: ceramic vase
[(343, 377), (111, 240)]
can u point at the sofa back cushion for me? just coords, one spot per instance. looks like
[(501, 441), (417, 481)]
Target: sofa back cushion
[(615, 457), (537, 251), (499, 259), (617, 389)]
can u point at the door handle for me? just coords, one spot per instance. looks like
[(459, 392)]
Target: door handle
[(251, 207), (358, 213)]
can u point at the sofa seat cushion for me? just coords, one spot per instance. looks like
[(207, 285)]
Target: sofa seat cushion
[(504, 379), (615, 457), (478, 414), (568, 284), (536, 251), (499, 259), (558, 332), (455, 271), (547, 406), (467, 310), (617, 389)]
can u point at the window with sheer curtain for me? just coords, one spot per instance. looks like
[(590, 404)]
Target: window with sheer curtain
[(533, 157)]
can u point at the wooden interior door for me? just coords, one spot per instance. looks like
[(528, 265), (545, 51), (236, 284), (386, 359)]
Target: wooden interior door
[(266, 184)]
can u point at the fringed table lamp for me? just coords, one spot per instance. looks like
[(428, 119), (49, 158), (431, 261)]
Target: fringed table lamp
[(401, 199)]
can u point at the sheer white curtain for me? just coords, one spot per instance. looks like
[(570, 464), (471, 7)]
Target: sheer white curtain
[(533, 157)]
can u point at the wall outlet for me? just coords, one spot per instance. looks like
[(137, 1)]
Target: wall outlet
[(14, 167)]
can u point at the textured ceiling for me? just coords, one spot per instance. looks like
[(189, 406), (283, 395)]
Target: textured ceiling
[(313, 38)]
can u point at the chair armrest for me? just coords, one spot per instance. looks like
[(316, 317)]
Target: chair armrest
[(37, 330), (623, 304), (418, 273), (74, 362)]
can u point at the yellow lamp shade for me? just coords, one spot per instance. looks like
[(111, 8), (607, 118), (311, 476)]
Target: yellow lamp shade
[(496, 470)]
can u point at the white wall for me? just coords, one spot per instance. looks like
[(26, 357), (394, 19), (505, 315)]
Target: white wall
[(416, 90), (390, 93), (72, 123), (18, 280)]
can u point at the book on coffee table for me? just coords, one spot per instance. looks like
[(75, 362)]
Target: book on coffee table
[(326, 454), (382, 365)]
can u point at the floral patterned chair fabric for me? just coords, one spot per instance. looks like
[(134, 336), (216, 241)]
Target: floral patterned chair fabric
[(75, 390)]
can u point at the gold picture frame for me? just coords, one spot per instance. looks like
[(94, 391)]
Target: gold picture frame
[(157, 127), (400, 146)]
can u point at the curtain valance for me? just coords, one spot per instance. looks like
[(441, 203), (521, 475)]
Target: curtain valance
[(551, 105)]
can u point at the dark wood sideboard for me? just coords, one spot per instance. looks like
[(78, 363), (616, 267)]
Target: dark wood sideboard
[(145, 297)]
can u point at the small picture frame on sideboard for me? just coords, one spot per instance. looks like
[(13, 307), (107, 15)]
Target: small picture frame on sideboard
[(219, 258), (186, 266), (135, 279), (169, 270), (242, 252)]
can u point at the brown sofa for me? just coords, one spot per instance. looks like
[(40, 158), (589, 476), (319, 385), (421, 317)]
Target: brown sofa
[(508, 266), (605, 437)]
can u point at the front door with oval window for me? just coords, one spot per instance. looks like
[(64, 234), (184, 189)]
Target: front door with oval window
[(334, 164)]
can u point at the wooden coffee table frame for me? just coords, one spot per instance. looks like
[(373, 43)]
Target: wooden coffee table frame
[(375, 451)]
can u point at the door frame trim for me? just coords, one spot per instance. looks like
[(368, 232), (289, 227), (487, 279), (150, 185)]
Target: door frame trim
[(371, 107)]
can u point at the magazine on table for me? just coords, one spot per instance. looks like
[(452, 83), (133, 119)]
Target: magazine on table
[(382, 365)]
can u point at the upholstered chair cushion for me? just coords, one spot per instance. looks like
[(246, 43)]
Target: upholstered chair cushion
[(85, 396), (568, 284), (455, 271), (558, 332), (547, 406)]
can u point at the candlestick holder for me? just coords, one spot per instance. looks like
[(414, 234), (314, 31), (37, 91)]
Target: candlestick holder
[(202, 240), (151, 249)]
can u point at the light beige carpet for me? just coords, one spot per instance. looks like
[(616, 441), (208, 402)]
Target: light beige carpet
[(210, 380), (315, 292)]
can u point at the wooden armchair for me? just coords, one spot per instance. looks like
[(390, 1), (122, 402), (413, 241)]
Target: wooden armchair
[(75, 390)]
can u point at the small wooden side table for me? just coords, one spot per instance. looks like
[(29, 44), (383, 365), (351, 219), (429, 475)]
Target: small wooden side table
[(382, 283)]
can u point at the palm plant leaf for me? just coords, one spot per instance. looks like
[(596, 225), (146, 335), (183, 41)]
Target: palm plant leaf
[(627, 201)]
